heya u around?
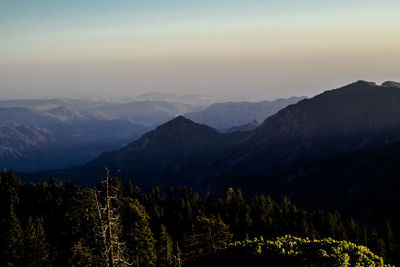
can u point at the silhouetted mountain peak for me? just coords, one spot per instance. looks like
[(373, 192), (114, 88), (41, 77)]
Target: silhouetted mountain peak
[(179, 120), (182, 124), (179, 137), (364, 83), (391, 84)]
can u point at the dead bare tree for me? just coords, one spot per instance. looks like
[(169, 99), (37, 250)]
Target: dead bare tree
[(178, 254), (109, 231)]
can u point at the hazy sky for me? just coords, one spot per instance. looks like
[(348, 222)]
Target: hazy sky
[(235, 48)]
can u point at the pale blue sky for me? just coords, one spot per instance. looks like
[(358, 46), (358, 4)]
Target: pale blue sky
[(239, 48)]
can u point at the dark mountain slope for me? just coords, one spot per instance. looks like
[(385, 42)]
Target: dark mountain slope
[(353, 117), (172, 152), (365, 183), (250, 126)]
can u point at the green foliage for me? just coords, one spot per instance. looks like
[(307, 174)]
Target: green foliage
[(209, 234), (36, 247), (288, 251), (54, 224), (81, 255), (138, 234), (11, 240), (165, 249)]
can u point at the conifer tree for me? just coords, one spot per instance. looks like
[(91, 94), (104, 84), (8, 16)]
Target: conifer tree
[(11, 240), (209, 234), (388, 235), (36, 247), (81, 255), (165, 248), (140, 240), (129, 190)]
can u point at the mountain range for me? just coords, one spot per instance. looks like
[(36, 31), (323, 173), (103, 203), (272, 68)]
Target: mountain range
[(96, 125), (316, 149)]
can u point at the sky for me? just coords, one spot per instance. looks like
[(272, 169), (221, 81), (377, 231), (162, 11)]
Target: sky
[(231, 49)]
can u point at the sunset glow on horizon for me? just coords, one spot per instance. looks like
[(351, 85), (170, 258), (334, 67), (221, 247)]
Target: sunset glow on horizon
[(268, 49)]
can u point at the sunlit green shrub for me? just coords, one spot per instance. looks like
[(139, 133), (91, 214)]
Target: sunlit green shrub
[(289, 251)]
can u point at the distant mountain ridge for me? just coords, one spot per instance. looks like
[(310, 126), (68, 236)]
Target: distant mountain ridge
[(189, 99), (77, 124), (223, 116)]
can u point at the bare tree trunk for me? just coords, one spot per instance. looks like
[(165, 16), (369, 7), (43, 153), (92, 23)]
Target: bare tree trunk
[(103, 233), (178, 254), (110, 227), (109, 232)]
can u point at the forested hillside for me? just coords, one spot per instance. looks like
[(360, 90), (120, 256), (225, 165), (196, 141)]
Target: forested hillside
[(50, 224)]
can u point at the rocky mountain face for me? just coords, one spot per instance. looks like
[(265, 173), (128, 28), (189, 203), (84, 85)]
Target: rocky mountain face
[(223, 116)]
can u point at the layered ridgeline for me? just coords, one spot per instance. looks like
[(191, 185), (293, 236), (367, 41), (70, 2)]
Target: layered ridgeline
[(82, 129), (172, 154), (274, 156), (358, 116)]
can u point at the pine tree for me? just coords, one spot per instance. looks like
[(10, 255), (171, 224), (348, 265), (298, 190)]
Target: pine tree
[(140, 240), (165, 248), (388, 235), (84, 222), (36, 247), (209, 234), (11, 240), (81, 255), (129, 191)]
